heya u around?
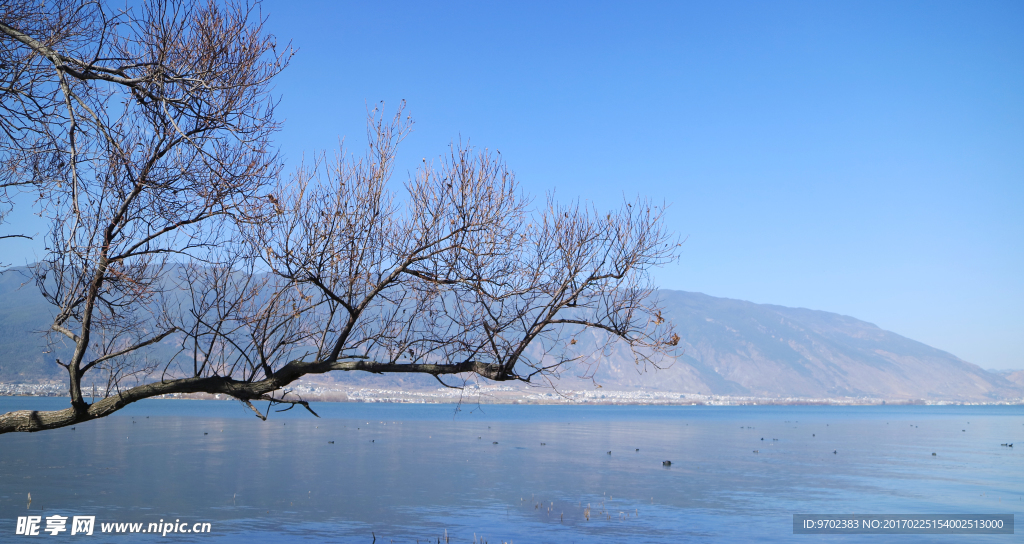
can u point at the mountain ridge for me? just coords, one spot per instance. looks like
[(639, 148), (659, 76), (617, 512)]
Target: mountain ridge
[(728, 347), (736, 347)]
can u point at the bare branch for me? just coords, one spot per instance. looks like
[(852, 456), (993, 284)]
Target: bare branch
[(146, 134)]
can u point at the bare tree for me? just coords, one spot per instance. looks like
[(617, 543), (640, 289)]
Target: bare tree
[(328, 269), (143, 132)]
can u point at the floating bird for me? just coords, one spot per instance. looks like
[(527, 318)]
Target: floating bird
[(933, 454), (494, 442), (330, 441), (666, 463), (835, 452)]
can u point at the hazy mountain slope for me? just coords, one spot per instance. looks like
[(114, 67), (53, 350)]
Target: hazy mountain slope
[(1015, 377), (23, 314), (737, 347), (24, 357), (730, 347)]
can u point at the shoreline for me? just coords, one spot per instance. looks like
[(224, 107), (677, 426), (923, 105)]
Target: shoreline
[(509, 395)]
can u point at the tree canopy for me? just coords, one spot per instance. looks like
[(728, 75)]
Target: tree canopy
[(146, 136)]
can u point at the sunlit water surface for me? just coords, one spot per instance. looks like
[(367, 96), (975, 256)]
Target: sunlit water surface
[(408, 473)]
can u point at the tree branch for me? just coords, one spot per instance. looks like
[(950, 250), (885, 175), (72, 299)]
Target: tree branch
[(32, 421)]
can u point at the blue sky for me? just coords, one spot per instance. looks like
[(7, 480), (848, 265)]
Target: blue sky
[(855, 157)]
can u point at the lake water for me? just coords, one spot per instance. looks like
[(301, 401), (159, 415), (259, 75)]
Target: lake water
[(414, 473)]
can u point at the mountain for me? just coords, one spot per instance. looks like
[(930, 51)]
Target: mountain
[(1014, 376), (734, 347), (24, 314), (729, 347)]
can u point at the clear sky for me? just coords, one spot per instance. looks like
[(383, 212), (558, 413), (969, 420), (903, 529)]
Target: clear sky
[(865, 158)]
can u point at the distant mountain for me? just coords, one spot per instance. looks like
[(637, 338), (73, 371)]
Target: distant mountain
[(730, 347), (26, 358), (23, 315), (1015, 376), (733, 347)]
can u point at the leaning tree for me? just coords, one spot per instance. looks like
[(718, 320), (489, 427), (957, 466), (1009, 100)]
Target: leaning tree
[(145, 135)]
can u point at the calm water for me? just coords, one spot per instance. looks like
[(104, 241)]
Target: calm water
[(404, 473)]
